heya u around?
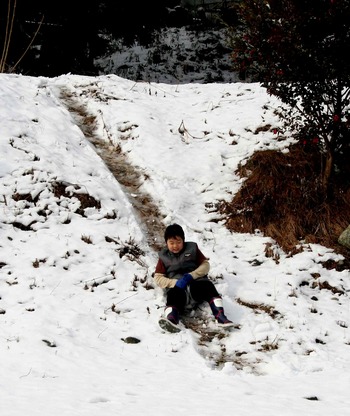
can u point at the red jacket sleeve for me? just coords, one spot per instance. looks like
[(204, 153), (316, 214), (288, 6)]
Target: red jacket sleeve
[(200, 257), (160, 268)]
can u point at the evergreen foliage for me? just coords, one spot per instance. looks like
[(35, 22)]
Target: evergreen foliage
[(298, 50)]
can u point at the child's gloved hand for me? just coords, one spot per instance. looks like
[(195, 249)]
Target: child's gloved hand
[(184, 281)]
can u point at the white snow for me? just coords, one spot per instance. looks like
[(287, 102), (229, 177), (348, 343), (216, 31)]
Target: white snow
[(75, 284)]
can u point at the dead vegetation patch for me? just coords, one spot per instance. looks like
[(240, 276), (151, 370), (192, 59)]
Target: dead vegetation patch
[(326, 285), (260, 307), (25, 197), (64, 189), (282, 197)]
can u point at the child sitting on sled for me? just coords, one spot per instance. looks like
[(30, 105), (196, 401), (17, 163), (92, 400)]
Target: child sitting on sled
[(182, 271)]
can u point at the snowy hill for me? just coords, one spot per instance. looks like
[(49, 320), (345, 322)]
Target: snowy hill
[(91, 171)]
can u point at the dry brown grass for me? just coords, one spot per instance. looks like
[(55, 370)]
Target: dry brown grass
[(282, 198), (129, 176)]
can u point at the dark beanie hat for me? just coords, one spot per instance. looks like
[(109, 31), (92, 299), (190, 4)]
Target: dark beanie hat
[(174, 230)]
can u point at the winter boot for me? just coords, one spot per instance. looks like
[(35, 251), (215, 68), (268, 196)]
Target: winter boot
[(172, 314), (218, 311), (170, 321)]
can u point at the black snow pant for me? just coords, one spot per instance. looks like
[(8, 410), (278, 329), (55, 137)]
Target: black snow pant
[(201, 290)]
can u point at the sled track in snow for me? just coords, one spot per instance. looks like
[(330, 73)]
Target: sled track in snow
[(209, 342), (129, 177)]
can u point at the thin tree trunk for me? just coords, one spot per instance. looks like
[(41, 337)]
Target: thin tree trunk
[(327, 173)]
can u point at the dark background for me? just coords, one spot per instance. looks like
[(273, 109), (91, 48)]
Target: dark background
[(73, 33)]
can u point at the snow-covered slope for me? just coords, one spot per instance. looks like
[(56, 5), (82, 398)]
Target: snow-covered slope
[(76, 259)]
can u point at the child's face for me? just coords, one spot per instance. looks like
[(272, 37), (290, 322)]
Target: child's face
[(175, 244)]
